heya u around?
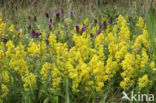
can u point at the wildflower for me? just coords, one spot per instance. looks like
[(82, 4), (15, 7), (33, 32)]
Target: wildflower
[(34, 33), (83, 28), (143, 81), (110, 20), (5, 40), (29, 80), (98, 32), (4, 90), (72, 14), (77, 28), (50, 24), (45, 71), (129, 72), (144, 59), (152, 64), (47, 15), (62, 11), (69, 48), (10, 49), (5, 76), (104, 23), (57, 16), (85, 21), (91, 35), (140, 23)]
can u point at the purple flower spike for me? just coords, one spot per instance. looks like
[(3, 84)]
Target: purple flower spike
[(47, 15), (76, 25), (73, 43), (50, 22), (57, 16), (83, 28), (62, 10), (57, 13), (91, 35), (69, 48), (33, 33), (100, 24), (57, 38), (98, 32), (5, 40), (77, 28), (110, 20), (71, 14), (104, 23)]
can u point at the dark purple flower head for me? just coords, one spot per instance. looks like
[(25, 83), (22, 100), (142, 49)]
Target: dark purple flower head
[(57, 38), (50, 22), (91, 35), (83, 28), (69, 48), (5, 40), (57, 13), (104, 23), (57, 16), (100, 25), (62, 11), (34, 33), (110, 20), (73, 43), (72, 14), (47, 15), (77, 27), (98, 32)]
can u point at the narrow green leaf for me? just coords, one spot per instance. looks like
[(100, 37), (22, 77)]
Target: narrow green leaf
[(46, 100)]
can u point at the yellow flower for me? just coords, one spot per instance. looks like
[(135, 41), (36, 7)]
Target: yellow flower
[(33, 49), (144, 59), (152, 64), (10, 49), (4, 76), (29, 80), (124, 33), (45, 71), (39, 26), (4, 90), (140, 23), (100, 86), (143, 81), (85, 21)]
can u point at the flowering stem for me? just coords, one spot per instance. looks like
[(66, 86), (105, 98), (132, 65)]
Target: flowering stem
[(66, 91)]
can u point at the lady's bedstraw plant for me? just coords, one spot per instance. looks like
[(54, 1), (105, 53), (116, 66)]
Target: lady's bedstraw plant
[(99, 54)]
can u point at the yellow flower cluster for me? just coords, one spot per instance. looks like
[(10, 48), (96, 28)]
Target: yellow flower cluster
[(45, 71), (143, 81), (124, 33), (29, 80), (140, 23), (35, 49), (129, 72), (89, 65), (4, 90)]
